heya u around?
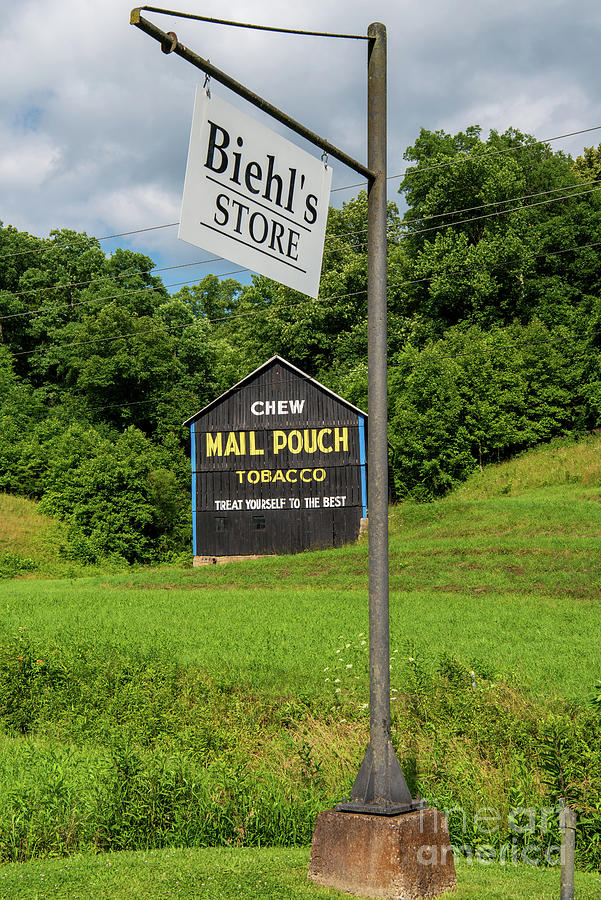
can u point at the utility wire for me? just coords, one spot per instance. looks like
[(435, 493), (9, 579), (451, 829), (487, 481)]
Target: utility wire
[(128, 274), (434, 357), (416, 170), (253, 312), (162, 330), (345, 235), (411, 170), (148, 288), (467, 209), (501, 212), (391, 284)]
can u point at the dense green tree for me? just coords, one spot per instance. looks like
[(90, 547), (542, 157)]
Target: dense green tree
[(478, 396), (330, 333), (489, 226), (588, 166)]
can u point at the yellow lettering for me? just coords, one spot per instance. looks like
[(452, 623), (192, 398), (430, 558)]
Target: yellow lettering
[(279, 476), (296, 438), (265, 475), (320, 436), (289, 475), (240, 474), (302, 475), (279, 440), (253, 476), (322, 474), (254, 450), (232, 445), (214, 445), (309, 440), (341, 440)]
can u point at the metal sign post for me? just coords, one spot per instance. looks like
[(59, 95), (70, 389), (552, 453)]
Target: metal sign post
[(380, 787)]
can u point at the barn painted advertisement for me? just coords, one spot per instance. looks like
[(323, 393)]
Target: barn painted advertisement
[(278, 466)]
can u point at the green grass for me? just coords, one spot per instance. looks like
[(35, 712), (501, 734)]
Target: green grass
[(233, 697), (558, 463), (242, 874), (28, 541), (32, 544), (499, 581), (282, 641)]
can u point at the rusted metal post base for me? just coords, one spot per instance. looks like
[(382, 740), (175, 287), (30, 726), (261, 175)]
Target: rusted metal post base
[(405, 857)]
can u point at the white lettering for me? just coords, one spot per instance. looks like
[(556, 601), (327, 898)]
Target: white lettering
[(311, 502), (228, 504), (284, 407)]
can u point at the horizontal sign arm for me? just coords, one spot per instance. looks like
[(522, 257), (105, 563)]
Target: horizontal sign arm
[(170, 44), (184, 15)]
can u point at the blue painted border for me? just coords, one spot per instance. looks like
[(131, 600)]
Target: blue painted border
[(363, 461), (193, 463)]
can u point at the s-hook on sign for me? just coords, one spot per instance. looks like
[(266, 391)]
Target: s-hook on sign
[(253, 197)]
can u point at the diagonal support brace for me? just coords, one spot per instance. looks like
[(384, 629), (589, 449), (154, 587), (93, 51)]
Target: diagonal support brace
[(170, 44)]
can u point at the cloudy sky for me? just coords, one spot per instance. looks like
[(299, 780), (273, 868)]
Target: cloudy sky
[(94, 119)]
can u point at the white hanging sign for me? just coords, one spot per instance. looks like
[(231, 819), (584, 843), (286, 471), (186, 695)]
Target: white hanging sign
[(254, 197)]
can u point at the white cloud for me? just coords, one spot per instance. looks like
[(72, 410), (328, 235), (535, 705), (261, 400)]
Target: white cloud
[(95, 119)]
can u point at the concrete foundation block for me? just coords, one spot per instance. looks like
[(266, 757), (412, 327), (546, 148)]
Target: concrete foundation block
[(199, 561), (404, 857)]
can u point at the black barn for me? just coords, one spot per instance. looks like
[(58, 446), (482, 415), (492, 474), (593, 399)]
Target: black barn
[(278, 466)]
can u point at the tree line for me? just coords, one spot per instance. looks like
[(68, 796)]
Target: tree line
[(494, 298)]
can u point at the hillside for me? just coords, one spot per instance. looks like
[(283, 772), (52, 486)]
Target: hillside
[(559, 464), (235, 696), (29, 541)]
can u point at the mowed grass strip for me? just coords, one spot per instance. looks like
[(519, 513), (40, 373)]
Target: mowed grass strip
[(281, 641), (511, 582), (245, 874)]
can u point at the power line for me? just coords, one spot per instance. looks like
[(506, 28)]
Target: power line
[(145, 289), (106, 237), (129, 274), (345, 235), (410, 170), (453, 212), (234, 316), (501, 212), (489, 353), (415, 170), (162, 330), (460, 269)]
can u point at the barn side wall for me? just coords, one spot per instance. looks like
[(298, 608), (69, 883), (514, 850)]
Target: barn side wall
[(278, 467)]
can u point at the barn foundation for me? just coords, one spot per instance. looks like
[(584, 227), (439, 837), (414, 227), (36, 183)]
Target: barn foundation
[(199, 561)]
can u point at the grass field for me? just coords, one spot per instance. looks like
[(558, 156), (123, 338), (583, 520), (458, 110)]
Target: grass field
[(165, 707), (499, 582), (223, 874)]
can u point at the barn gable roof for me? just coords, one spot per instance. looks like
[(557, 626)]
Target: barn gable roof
[(263, 367)]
